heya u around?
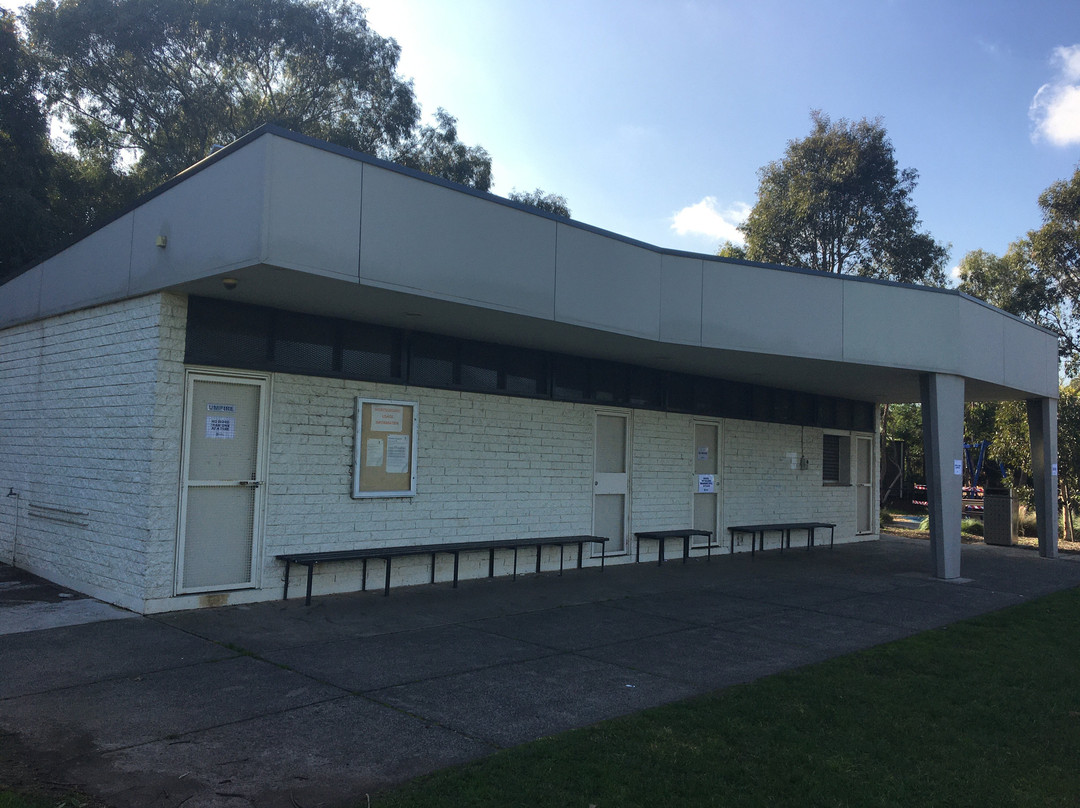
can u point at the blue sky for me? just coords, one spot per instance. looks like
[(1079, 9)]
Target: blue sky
[(653, 118)]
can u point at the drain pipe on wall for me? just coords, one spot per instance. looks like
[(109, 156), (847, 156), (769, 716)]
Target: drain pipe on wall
[(15, 535)]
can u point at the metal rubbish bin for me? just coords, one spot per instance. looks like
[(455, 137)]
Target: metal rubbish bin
[(1001, 517)]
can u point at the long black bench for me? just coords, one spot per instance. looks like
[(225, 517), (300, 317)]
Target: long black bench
[(661, 536), (784, 529), (385, 554)]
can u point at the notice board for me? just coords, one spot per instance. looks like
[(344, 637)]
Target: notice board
[(384, 460)]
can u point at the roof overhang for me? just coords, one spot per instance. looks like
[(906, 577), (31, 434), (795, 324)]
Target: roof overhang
[(306, 226)]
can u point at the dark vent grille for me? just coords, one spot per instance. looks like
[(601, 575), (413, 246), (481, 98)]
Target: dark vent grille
[(304, 343)]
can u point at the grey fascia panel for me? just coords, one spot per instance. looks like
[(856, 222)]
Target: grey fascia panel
[(902, 327), (982, 342), (607, 284), (213, 222), (427, 239), (313, 210), (20, 298), (680, 299), (763, 310), (1022, 349), (94, 270)]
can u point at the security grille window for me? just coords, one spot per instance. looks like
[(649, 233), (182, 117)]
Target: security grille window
[(835, 459)]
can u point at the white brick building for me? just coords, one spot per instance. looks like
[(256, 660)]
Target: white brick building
[(179, 390)]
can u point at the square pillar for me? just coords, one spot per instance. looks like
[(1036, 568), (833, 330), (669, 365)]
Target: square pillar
[(1042, 427), (943, 447)]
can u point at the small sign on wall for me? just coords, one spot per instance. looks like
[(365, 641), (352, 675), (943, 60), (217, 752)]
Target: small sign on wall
[(706, 483), (958, 467), (220, 427)]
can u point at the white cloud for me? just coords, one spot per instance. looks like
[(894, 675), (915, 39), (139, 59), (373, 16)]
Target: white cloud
[(704, 218), (1056, 106)]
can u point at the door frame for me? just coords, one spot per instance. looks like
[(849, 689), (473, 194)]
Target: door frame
[(628, 419), (866, 488), (263, 381), (718, 483)]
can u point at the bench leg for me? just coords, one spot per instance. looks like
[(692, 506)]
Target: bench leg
[(685, 549), (363, 576), (603, 555), (491, 562), (310, 574), (515, 563), (285, 596), (832, 535), (660, 552), (539, 550), (456, 555), (386, 587), (560, 559), (580, 551), (433, 555)]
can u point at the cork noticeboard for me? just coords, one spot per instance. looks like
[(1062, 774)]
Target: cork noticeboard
[(384, 460)]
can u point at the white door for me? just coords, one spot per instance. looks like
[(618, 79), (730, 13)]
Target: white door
[(706, 481), (864, 485), (221, 482), (611, 491)]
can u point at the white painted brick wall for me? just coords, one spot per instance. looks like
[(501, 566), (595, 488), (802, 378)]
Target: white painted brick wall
[(77, 414), (491, 466), (91, 418)]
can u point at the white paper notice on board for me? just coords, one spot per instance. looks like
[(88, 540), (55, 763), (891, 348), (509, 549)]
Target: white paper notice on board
[(703, 453), (374, 454), (706, 483), (387, 418), (1053, 469), (958, 467), (220, 427), (397, 454)]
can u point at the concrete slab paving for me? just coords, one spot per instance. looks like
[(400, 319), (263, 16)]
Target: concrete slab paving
[(369, 663), (321, 754), (133, 710), (52, 659), (720, 658), (513, 704), (278, 704), (571, 628)]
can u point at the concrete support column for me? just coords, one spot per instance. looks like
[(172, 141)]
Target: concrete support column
[(1042, 426), (943, 447)]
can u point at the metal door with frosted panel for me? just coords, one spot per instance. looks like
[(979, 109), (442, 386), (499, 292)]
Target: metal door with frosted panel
[(611, 490), (706, 481), (221, 486), (864, 485)]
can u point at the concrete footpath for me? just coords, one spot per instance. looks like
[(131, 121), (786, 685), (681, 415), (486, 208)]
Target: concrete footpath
[(278, 704)]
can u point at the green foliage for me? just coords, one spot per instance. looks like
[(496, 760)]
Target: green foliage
[(729, 249), (27, 225), (552, 203), (159, 83), (837, 202)]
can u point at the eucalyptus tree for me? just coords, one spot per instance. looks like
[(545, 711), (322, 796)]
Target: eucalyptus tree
[(154, 84), (837, 202)]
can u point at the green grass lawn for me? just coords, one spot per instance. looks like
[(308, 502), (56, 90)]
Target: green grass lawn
[(982, 713)]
